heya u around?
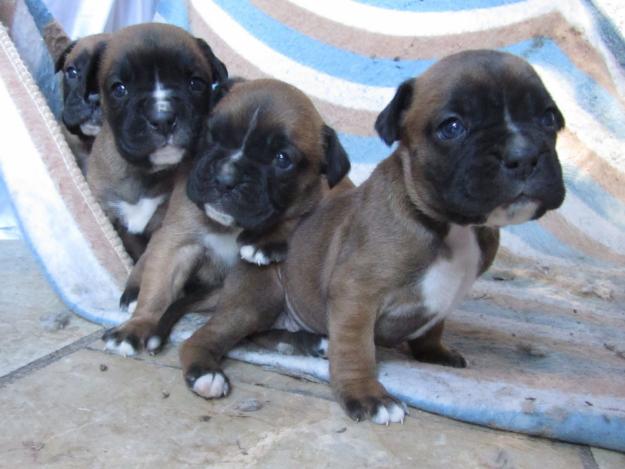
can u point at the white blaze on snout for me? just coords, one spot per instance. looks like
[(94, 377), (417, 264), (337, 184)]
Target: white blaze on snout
[(161, 97), (450, 276), (168, 155), (135, 217)]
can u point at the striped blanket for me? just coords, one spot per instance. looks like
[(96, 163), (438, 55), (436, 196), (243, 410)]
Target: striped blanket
[(543, 331)]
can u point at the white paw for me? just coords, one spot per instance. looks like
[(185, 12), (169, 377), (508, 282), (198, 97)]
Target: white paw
[(132, 306), (123, 348), (254, 256), (154, 343), (211, 385), (392, 413)]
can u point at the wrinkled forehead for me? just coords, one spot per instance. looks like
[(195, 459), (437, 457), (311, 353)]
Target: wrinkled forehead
[(86, 46), (265, 110), (144, 58), (469, 84)]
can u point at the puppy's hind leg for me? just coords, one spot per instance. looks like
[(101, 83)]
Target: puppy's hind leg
[(429, 348), (249, 302)]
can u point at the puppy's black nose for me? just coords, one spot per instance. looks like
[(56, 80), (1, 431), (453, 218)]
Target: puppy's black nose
[(521, 157), (162, 121)]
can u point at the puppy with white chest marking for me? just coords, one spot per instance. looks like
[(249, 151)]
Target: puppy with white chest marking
[(155, 86), (264, 161), (386, 262), (82, 114)]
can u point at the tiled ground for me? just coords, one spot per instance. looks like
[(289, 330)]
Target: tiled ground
[(65, 403)]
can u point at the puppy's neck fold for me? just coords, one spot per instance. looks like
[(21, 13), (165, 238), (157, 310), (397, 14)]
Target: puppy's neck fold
[(411, 196)]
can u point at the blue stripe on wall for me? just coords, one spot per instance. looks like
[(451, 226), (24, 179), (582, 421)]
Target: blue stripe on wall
[(541, 240), (174, 12), (594, 196), (322, 57), (436, 5)]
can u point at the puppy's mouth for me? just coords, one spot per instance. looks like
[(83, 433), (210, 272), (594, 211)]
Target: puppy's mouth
[(167, 155), (523, 208)]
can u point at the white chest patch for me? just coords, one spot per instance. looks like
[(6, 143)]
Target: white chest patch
[(135, 217), (513, 214), (169, 155), (224, 245), (448, 279)]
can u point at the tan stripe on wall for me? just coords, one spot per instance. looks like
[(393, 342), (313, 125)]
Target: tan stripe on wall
[(366, 43), (356, 122)]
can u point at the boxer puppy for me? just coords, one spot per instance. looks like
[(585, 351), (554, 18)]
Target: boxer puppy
[(82, 115), (386, 262), (263, 164), (155, 84)]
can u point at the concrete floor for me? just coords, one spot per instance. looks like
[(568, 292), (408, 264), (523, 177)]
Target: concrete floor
[(66, 403)]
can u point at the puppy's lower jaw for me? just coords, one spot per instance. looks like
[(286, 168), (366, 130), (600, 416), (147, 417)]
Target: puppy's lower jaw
[(167, 156), (220, 217), (512, 214), (90, 129)]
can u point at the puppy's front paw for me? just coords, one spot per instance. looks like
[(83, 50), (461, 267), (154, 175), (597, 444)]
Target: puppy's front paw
[(135, 334), (209, 384), (263, 255), (381, 409)]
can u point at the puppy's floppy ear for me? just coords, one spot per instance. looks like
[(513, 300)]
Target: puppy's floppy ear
[(559, 118), (388, 123), (60, 60), (336, 164), (222, 89), (218, 69)]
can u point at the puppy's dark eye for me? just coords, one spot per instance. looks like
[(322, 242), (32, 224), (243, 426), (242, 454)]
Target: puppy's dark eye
[(119, 90), (197, 84), (451, 129), (283, 160), (71, 73), (549, 119)]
